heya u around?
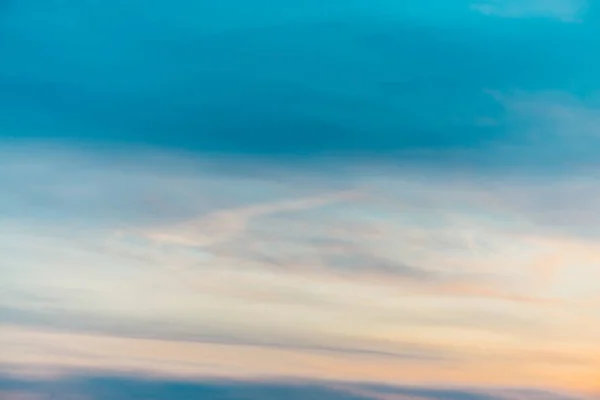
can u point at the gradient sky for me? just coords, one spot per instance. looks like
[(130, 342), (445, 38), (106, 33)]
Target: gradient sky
[(349, 191)]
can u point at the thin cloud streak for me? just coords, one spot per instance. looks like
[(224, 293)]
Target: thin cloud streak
[(563, 10), (224, 225)]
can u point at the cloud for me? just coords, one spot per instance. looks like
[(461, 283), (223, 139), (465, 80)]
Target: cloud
[(552, 113), (128, 388), (564, 10), (85, 324), (396, 267), (226, 224)]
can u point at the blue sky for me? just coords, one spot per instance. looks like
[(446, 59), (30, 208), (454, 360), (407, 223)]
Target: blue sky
[(392, 192), (307, 78)]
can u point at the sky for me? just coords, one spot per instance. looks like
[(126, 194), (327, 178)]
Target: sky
[(337, 200)]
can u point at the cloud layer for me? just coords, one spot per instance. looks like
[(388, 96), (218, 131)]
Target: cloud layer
[(415, 269)]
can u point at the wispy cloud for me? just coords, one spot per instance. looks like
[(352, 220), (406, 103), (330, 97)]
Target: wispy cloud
[(394, 266), (92, 387), (551, 115), (564, 10), (224, 225)]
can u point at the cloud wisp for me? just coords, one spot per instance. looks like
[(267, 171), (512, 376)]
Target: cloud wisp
[(563, 10)]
